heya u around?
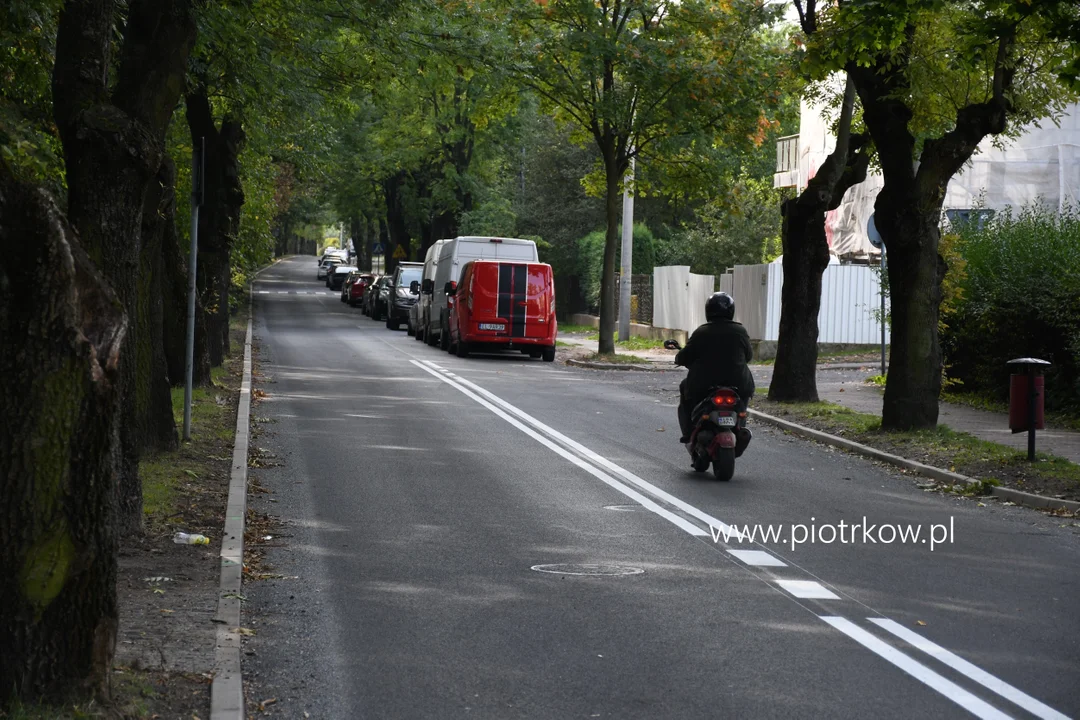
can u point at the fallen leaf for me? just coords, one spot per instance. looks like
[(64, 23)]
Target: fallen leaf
[(163, 610), (659, 429), (264, 703), (245, 631), (920, 622)]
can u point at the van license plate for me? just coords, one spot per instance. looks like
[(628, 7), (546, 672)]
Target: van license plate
[(726, 421), (492, 326)]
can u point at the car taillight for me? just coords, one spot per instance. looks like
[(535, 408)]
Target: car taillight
[(725, 399)]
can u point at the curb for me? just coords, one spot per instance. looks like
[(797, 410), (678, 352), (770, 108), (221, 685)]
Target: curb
[(615, 366), (1017, 496), (227, 688)]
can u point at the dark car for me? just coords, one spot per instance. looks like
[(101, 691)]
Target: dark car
[(401, 293), (336, 277), (375, 298)]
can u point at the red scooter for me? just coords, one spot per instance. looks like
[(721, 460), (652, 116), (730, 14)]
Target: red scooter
[(720, 434)]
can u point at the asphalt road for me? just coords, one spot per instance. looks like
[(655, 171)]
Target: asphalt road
[(420, 491)]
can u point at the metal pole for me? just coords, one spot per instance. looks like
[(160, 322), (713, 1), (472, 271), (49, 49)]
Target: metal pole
[(627, 254), (882, 287), (1031, 413), (197, 159)]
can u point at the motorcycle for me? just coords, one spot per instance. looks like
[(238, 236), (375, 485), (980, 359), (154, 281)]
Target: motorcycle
[(720, 434)]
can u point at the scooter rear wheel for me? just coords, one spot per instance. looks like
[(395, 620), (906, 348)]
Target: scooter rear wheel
[(723, 465)]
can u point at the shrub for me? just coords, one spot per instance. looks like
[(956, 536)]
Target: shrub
[(591, 259), (1019, 296)]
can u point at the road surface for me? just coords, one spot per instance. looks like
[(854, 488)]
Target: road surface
[(422, 494)]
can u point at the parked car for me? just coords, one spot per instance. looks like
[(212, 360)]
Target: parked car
[(325, 266), (365, 301), (376, 298), (352, 290), (402, 292), (503, 306), (419, 312), (336, 277), (453, 254)]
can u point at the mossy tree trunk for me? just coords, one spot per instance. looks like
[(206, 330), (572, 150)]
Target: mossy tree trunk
[(61, 332), (112, 126), (219, 216), (157, 426)]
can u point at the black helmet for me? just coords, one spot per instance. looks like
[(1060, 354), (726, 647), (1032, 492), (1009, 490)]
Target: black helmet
[(719, 306)]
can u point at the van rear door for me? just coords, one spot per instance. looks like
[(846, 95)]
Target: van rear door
[(524, 298), (540, 294)]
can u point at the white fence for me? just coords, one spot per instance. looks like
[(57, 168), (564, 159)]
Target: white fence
[(679, 297), (850, 295)]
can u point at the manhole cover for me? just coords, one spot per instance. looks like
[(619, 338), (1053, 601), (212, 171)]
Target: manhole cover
[(587, 569), (622, 508)]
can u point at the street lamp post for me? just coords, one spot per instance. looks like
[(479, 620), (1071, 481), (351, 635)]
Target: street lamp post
[(627, 254)]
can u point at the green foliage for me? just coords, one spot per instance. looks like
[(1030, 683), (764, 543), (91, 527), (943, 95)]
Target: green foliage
[(494, 216), (590, 259), (740, 227), (1019, 296), (28, 138)]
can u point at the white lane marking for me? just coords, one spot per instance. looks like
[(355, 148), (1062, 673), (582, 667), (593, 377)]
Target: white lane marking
[(282, 292), (962, 666), (917, 670), (264, 292), (808, 589), (595, 472), (598, 459), (369, 417), (759, 558)]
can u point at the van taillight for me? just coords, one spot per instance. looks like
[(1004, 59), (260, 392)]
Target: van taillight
[(494, 240)]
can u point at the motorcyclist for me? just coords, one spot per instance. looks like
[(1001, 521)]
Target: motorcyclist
[(716, 354)]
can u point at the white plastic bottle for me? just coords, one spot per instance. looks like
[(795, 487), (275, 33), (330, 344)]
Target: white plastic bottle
[(182, 538)]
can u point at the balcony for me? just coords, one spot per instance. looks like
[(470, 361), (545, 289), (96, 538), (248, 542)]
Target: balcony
[(787, 162)]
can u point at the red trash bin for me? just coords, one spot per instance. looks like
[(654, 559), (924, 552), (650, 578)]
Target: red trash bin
[(1018, 403)]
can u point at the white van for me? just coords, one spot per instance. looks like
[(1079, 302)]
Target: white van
[(451, 258), (419, 314)]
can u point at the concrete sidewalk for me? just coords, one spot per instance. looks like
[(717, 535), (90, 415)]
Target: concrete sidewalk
[(847, 386), (657, 356)]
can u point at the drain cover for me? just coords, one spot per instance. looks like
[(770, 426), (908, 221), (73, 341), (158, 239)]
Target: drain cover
[(587, 569)]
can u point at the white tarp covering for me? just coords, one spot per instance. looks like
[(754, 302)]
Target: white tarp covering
[(1042, 164)]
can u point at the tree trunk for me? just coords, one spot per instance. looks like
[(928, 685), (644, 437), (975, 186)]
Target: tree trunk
[(113, 141), (61, 332), (219, 216), (396, 226), (153, 397), (174, 293), (806, 256), (915, 274), (612, 213), (907, 212)]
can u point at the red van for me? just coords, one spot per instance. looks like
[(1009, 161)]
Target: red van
[(503, 305)]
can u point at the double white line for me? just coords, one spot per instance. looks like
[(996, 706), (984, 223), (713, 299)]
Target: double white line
[(620, 479)]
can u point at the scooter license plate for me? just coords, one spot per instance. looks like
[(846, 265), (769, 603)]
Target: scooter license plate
[(726, 420)]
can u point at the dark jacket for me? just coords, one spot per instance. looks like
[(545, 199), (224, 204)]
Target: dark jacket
[(717, 354)]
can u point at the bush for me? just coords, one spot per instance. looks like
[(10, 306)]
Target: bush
[(1019, 297), (591, 259)]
